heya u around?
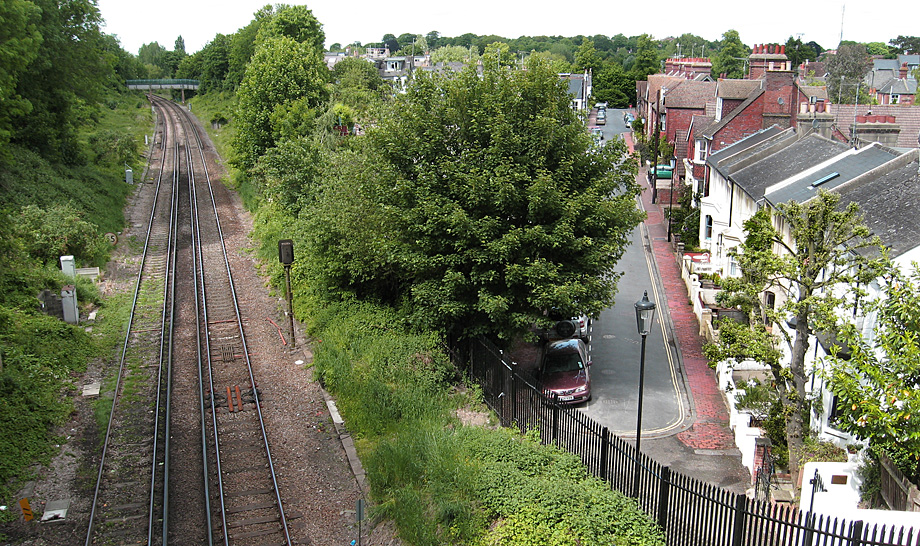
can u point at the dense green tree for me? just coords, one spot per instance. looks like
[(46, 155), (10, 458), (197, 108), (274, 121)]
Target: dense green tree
[(905, 44), (477, 204), (64, 81), (295, 22), (179, 46), (242, 47), (613, 85), (878, 48), (453, 54), (498, 54), (19, 41), (358, 85), (846, 70), (586, 58), (210, 66), (284, 78), (646, 59), (153, 55), (730, 60), (433, 39), (878, 383), (557, 62), (827, 248), (798, 53), (390, 41)]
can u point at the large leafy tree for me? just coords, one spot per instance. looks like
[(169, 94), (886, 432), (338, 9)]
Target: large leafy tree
[(825, 250), (878, 384), (19, 40), (798, 52), (905, 44), (284, 81), (846, 69), (731, 56), (646, 59), (613, 85), (478, 203), (64, 79), (586, 57)]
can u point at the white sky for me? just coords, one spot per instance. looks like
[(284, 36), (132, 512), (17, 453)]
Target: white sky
[(347, 21)]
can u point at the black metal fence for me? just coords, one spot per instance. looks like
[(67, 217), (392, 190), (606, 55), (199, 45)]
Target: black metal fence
[(690, 512)]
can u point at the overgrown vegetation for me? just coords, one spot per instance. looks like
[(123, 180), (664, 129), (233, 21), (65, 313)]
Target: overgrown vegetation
[(67, 131), (440, 481)]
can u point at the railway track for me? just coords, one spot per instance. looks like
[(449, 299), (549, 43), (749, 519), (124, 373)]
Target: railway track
[(129, 487), (186, 330)]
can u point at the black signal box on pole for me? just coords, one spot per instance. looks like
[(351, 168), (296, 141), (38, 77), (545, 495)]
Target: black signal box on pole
[(286, 251)]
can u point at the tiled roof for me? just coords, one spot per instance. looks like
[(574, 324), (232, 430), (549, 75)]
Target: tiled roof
[(907, 118), (817, 91), (737, 89), (710, 131), (889, 203), (844, 168), (690, 94)]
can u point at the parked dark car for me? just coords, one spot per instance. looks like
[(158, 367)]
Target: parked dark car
[(565, 371)]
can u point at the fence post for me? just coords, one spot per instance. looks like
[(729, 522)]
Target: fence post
[(605, 452), (555, 418), (856, 532), (738, 525), (664, 495), (514, 382)]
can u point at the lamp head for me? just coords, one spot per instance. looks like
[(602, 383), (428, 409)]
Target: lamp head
[(645, 314)]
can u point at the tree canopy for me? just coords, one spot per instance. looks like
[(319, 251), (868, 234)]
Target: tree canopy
[(731, 56), (476, 202), (824, 248), (846, 70), (878, 384)]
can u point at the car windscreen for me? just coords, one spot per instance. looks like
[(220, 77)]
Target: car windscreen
[(564, 362)]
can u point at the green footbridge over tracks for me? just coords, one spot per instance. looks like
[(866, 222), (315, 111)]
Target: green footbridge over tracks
[(153, 85)]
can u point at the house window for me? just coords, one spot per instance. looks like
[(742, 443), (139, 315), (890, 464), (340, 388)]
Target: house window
[(769, 303), (707, 234), (895, 99), (835, 416), (700, 151), (732, 267)]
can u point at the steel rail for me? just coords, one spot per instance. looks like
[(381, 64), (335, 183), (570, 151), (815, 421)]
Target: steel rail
[(143, 272)]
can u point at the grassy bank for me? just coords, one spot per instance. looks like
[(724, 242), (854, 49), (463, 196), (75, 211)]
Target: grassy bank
[(443, 482)]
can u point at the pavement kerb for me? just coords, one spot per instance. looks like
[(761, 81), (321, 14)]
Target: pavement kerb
[(667, 322)]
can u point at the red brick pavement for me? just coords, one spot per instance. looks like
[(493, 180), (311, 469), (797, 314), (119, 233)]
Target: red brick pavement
[(710, 429)]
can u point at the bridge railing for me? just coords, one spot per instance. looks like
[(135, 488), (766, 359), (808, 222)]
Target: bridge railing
[(163, 84)]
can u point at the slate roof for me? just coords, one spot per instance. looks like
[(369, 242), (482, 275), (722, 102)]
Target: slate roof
[(899, 87), (725, 159), (889, 203), (841, 170), (690, 94), (791, 160)]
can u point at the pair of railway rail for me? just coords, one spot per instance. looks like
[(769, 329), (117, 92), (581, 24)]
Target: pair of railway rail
[(184, 290)]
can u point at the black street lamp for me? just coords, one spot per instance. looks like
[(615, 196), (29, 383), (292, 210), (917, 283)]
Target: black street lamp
[(673, 163), (645, 314)]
